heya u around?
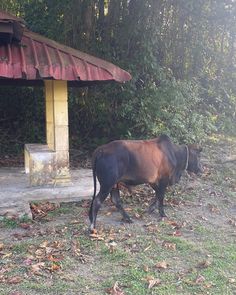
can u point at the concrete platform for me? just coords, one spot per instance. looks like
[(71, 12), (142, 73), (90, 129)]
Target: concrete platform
[(16, 194)]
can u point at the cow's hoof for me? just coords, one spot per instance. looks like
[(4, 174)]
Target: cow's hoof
[(151, 210), (164, 218), (128, 220), (163, 215), (92, 229)]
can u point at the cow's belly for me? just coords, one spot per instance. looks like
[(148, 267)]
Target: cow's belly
[(136, 179), (132, 182)]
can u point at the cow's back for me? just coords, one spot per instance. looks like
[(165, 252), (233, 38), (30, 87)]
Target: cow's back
[(145, 161), (135, 161)]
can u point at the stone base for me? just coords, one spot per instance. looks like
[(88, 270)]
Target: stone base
[(44, 166), (16, 194)]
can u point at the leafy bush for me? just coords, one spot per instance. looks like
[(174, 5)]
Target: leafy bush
[(172, 107)]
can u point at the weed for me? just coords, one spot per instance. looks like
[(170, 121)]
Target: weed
[(8, 222)]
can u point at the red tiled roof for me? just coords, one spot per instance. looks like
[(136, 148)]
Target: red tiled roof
[(37, 58), (9, 17)]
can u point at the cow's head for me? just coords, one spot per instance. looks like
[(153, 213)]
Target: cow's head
[(194, 164)]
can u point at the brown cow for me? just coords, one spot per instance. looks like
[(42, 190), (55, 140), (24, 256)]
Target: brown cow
[(158, 162)]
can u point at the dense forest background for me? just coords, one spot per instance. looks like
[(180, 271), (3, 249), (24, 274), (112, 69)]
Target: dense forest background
[(181, 55)]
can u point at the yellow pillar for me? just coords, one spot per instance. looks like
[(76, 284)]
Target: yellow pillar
[(56, 95), (49, 97)]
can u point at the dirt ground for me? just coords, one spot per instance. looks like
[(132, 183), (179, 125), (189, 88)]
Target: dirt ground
[(193, 251)]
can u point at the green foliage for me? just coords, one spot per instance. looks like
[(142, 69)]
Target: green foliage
[(181, 55), (171, 107)]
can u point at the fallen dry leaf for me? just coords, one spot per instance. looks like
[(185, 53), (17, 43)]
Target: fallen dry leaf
[(36, 268), (40, 210), (55, 267), (49, 250), (1, 246), (28, 261), (2, 279), (169, 246), (68, 277), (208, 285), (40, 253), (25, 225), (55, 259), (200, 279), (153, 282), (14, 280), (152, 228), (6, 255), (76, 251), (203, 218), (95, 236), (212, 208), (138, 216), (85, 204), (75, 246), (112, 246), (94, 231), (44, 244), (19, 237), (204, 264), (174, 224), (75, 221), (3, 270), (174, 202), (148, 247), (232, 222), (177, 233), (115, 290), (57, 244), (162, 265)]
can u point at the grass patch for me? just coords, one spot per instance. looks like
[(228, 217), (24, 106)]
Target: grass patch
[(20, 248), (12, 223), (60, 211), (8, 222)]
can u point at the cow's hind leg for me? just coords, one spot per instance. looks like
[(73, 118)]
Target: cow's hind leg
[(96, 204), (159, 198), (115, 196)]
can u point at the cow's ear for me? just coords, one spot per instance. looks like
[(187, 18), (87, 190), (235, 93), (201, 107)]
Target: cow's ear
[(196, 148)]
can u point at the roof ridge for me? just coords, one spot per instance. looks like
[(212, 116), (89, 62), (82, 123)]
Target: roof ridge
[(4, 15), (108, 66)]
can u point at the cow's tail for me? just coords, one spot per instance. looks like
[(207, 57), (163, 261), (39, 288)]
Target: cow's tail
[(91, 210), (94, 179), (94, 176)]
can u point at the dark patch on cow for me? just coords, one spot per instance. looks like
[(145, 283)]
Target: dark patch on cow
[(158, 162)]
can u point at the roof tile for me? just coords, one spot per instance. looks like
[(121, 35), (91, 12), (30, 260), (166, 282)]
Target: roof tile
[(37, 57)]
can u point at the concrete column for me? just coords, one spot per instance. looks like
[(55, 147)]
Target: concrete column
[(56, 95), (49, 97)]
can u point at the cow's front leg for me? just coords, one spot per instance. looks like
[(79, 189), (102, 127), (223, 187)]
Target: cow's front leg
[(115, 196), (159, 189)]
